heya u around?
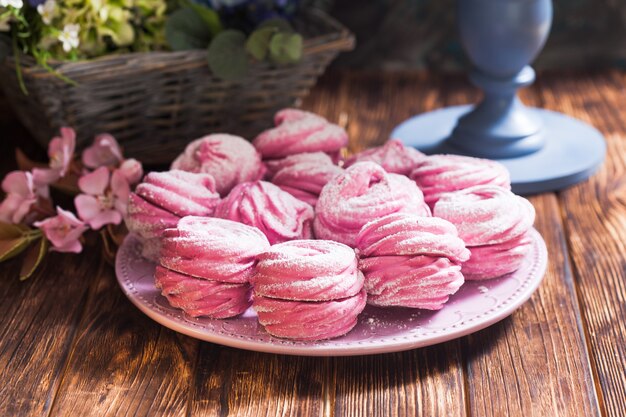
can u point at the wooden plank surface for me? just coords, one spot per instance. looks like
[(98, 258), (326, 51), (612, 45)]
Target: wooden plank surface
[(38, 322), (594, 213), (71, 344), (123, 363), (420, 382)]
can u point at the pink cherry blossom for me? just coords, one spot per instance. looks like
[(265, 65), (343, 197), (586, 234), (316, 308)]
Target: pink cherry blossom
[(105, 151), (61, 153), (105, 197), (22, 194), (132, 170), (63, 231)]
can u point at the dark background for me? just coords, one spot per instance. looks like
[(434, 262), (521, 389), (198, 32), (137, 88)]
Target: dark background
[(410, 34)]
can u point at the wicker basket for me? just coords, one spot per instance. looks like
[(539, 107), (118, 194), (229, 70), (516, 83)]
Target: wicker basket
[(155, 103)]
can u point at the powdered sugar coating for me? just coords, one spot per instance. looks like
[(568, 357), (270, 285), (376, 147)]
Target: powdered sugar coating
[(440, 174), (200, 297), (492, 261), (162, 199), (364, 192), (486, 214), (305, 320), (179, 192), (299, 132), (424, 282), (393, 156), (229, 159), (304, 175), (211, 248), (276, 213), (408, 234), (308, 270)]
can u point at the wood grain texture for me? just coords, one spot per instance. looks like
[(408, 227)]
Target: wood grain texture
[(420, 382), (594, 213), (534, 363), (233, 382), (38, 319), (123, 363)]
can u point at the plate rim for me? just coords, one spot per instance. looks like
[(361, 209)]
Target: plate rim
[(388, 344)]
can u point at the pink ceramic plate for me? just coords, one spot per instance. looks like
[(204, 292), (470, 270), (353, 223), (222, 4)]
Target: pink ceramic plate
[(475, 306)]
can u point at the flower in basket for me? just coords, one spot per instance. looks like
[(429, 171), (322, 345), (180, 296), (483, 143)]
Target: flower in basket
[(102, 178), (234, 33)]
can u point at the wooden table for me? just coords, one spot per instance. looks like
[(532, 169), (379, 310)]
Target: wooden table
[(71, 344)]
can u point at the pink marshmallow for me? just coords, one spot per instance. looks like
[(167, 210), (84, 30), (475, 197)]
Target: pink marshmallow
[(229, 159), (494, 224), (393, 156), (440, 174), (424, 282), (304, 175), (492, 261), (297, 132), (202, 298), (276, 213), (408, 234), (162, 199), (215, 249), (308, 270), (309, 320), (364, 192)]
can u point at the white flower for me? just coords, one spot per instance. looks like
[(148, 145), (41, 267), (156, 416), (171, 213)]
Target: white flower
[(69, 37), (47, 11), (17, 4)]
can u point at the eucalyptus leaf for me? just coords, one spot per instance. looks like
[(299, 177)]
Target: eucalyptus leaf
[(33, 258), (185, 29), (10, 248), (210, 18), (259, 42), (281, 25), (227, 55), (286, 48)]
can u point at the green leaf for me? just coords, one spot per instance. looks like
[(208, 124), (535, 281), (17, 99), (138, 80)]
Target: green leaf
[(13, 240), (259, 42), (33, 258), (210, 18), (286, 48), (227, 55), (185, 30), (281, 25)]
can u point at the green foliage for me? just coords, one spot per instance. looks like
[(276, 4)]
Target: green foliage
[(286, 48), (186, 29), (275, 40), (227, 55), (210, 18)]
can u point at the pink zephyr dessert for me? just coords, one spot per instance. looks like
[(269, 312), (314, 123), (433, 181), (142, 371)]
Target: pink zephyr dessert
[(308, 290), (393, 156), (207, 264), (202, 297), (495, 225), (440, 174), (411, 261), (276, 213), (364, 192), (304, 175), (229, 159), (162, 199), (211, 248), (297, 132)]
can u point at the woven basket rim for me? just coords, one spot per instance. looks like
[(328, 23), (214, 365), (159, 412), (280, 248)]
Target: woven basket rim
[(340, 39)]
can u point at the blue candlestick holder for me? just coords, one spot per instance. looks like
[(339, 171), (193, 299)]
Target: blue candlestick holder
[(543, 150)]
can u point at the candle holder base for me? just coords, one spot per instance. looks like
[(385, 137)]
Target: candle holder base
[(573, 150)]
